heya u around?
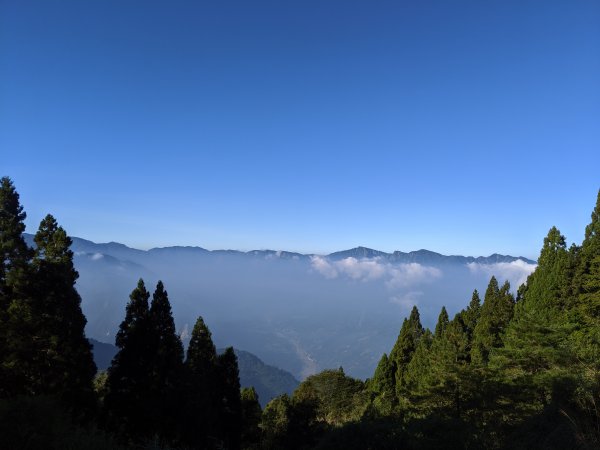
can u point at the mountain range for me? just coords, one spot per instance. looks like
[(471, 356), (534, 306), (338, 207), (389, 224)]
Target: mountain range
[(422, 256)]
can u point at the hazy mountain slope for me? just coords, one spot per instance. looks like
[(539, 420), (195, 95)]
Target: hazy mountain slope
[(103, 353), (269, 381)]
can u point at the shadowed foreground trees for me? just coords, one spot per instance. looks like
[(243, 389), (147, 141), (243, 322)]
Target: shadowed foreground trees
[(153, 395)]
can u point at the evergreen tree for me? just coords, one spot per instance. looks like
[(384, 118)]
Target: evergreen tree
[(470, 316), (47, 351), (442, 323), (418, 370), (405, 346), (587, 290), (335, 397), (251, 415), (14, 252), (543, 293), (201, 387), (383, 385), (68, 365), (166, 371), (535, 344), (230, 407), (15, 257), (496, 312), (129, 381)]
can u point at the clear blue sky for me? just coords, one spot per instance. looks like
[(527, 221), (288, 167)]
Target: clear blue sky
[(461, 127)]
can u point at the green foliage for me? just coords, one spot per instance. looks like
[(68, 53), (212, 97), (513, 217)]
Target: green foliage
[(15, 274), (338, 398), (275, 424), (587, 291), (251, 416), (419, 367), (405, 346), (383, 386), (442, 323), (14, 252), (46, 350), (543, 293), (289, 424), (471, 315), (496, 312)]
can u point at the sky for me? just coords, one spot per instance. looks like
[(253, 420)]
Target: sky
[(463, 127)]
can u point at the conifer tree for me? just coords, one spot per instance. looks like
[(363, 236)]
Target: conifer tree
[(15, 257), (251, 415), (587, 289), (534, 344), (47, 351), (496, 312), (542, 295), (405, 345), (167, 365), (201, 387), (470, 316), (67, 363), (230, 407), (383, 385), (129, 382), (444, 381), (418, 370), (442, 323), (14, 252)]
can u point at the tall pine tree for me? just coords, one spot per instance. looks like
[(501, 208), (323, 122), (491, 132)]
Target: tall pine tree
[(15, 257), (383, 386), (201, 385), (230, 406), (496, 312), (442, 323), (67, 364), (127, 402), (251, 415), (587, 290), (166, 371), (405, 346)]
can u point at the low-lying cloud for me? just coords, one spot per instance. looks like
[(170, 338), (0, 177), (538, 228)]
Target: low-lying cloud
[(516, 272), (407, 300), (395, 275)]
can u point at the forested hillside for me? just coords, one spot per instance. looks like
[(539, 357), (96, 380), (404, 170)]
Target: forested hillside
[(508, 371)]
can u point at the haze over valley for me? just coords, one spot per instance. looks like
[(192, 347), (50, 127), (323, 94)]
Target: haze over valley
[(302, 313)]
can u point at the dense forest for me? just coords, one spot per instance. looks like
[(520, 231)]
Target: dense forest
[(508, 371)]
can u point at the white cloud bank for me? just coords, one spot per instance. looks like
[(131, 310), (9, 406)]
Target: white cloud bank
[(395, 275), (515, 272)]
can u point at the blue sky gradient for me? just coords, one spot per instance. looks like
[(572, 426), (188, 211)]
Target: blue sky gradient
[(314, 126)]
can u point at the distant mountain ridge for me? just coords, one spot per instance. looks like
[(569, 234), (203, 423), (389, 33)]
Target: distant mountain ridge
[(423, 256)]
